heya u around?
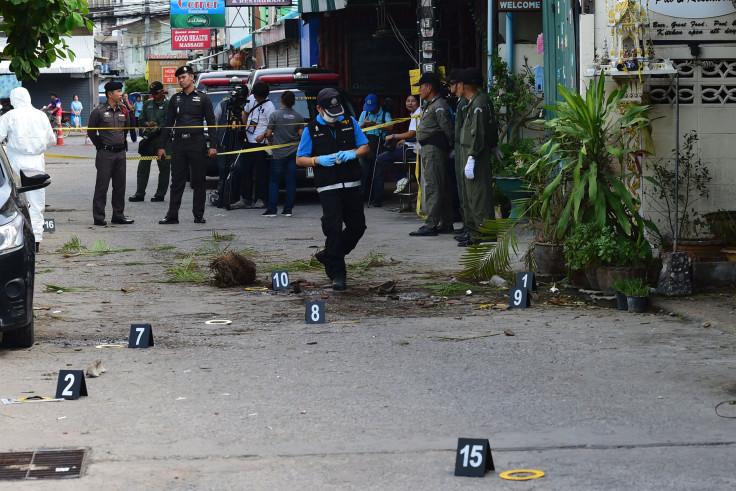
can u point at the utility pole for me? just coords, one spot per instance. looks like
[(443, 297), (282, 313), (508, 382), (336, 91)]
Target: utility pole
[(147, 46)]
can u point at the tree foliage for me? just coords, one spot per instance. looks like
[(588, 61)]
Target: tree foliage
[(35, 32), (135, 85)]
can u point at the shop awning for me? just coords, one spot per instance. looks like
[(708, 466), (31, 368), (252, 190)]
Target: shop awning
[(309, 6)]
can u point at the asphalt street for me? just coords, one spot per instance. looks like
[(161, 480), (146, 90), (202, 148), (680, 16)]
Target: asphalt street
[(375, 398)]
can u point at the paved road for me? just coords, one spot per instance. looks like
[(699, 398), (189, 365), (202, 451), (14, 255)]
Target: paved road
[(375, 398)]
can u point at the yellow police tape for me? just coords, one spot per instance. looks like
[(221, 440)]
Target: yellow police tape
[(369, 128), (509, 475), (233, 152)]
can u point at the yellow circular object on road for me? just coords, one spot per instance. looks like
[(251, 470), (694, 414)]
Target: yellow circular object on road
[(509, 475), (256, 288)]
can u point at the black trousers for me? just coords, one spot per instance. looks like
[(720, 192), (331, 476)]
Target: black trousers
[(250, 163), (110, 167), (341, 206), (190, 155)]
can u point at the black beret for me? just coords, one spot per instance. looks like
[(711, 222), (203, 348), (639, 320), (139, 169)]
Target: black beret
[(184, 69), (110, 86)]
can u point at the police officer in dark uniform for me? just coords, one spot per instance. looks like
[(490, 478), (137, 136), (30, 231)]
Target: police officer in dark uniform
[(110, 160), (188, 109), (332, 144)]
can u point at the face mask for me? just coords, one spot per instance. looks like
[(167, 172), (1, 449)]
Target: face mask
[(328, 118)]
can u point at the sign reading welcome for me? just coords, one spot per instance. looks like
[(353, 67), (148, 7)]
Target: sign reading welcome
[(519, 5)]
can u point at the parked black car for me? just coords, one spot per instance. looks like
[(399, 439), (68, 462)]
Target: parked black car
[(17, 255)]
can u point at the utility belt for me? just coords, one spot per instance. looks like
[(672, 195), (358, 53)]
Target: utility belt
[(436, 139), (339, 185), (184, 136), (113, 148)]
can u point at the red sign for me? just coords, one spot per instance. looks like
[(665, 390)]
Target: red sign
[(168, 75), (190, 39)]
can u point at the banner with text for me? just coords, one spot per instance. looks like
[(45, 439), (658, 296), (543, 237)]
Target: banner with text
[(190, 39), (258, 3), (192, 14)]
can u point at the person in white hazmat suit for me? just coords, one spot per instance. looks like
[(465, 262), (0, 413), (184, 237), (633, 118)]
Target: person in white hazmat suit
[(29, 135)]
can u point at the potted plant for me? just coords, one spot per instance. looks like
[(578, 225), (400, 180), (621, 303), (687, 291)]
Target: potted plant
[(581, 254), (618, 285), (722, 224), (587, 153), (637, 294), (688, 227), (618, 257), (581, 173), (509, 173)]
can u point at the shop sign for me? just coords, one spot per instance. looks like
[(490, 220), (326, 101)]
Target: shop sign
[(194, 14), (692, 20), (519, 5), (190, 39), (168, 75), (258, 3), (692, 9)]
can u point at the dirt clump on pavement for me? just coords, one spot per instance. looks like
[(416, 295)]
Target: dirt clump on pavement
[(232, 269)]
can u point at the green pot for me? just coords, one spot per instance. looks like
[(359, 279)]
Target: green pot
[(514, 188)]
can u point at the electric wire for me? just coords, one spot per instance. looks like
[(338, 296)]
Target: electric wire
[(402, 40)]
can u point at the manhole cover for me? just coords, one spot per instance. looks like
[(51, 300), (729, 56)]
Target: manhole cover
[(42, 464)]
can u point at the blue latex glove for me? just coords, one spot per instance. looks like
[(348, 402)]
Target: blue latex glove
[(345, 155), (326, 160)]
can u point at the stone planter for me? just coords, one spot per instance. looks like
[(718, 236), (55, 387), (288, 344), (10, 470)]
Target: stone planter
[(699, 250), (592, 275), (637, 304), (550, 260), (578, 279), (607, 275)]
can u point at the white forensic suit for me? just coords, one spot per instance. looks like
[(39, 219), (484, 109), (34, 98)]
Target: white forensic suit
[(29, 135)]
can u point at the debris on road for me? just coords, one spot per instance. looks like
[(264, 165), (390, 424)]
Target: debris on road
[(95, 369), (233, 269)]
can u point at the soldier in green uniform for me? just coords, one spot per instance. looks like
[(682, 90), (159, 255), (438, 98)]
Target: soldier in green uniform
[(152, 119), (435, 135), (456, 87), (478, 137)]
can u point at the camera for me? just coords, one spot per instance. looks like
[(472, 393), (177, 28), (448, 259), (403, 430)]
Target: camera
[(238, 95)]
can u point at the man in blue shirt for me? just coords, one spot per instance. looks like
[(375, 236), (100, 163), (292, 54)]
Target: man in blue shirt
[(331, 145)]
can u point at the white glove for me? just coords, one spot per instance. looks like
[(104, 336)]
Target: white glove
[(469, 167)]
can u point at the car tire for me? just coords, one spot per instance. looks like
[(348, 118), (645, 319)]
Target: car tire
[(20, 338)]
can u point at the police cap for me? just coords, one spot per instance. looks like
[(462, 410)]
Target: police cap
[(429, 78), (471, 76), (110, 86), (184, 69), (329, 100), (453, 77), (156, 87)]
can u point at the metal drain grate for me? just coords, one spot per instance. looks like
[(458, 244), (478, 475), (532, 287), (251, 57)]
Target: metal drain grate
[(42, 464)]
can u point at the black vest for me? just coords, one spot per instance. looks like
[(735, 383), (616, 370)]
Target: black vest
[(323, 143)]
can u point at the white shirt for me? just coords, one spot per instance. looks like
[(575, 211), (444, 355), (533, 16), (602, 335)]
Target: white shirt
[(413, 127), (259, 118)]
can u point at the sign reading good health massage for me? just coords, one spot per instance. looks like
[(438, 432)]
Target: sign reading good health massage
[(195, 14)]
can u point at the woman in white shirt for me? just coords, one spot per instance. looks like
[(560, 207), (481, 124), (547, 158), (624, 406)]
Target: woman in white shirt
[(385, 161)]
